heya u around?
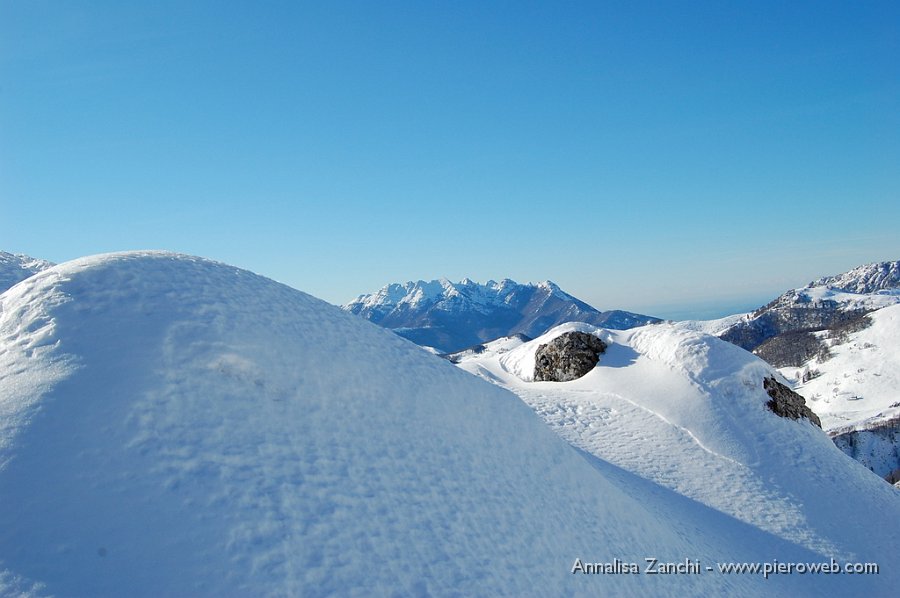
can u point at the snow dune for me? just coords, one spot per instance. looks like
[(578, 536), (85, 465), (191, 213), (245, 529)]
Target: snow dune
[(172, 426), (686, 411)]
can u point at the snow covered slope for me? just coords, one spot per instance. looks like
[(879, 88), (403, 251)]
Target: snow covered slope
[(822, 304), (854, 387), (453, 316), (175, 426), (688, 411), (857, 384), (15, 267)]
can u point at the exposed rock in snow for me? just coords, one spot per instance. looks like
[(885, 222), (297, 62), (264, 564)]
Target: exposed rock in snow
[(688, 411), (567, 357), (787, 403), (174, 426), (894, 476), (837, 341)]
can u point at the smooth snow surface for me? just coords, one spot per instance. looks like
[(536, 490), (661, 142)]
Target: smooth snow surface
[(713, 327), (687, 411), (171, 426)]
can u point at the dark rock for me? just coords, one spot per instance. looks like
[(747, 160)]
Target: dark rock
[(894, 477), (567, 357), (787, 403)]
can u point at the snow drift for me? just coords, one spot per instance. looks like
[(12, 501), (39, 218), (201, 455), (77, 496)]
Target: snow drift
[(175, 426), (688, 411)]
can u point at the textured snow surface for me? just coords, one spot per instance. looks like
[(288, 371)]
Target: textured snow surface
[(687, 411), (869, 278), (175, 426), (15, 267), (812, 296), (859, 384)]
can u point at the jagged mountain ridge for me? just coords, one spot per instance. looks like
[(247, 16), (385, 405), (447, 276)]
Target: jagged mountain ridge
[(836, 340), (823, 304), (866, 279), (452, 316), (16, 267)]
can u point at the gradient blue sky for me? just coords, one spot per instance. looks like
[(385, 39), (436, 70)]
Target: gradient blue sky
[(674, 158)]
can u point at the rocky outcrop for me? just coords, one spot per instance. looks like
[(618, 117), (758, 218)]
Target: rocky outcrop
[(894, 477), (567, 357), (787, 403)]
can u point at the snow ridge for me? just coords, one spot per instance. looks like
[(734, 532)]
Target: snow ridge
[(183, 427), (866, 279), (688, 411)]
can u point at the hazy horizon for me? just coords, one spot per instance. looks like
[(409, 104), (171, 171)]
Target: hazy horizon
[(643, 156)]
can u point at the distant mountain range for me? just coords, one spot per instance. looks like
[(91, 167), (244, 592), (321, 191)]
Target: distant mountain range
[(827, 303), (451, 316), (15, 267)]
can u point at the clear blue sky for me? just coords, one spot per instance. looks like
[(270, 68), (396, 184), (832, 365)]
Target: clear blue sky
[(664, 157)]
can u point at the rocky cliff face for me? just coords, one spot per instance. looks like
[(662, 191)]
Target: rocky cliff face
[(452, 316)]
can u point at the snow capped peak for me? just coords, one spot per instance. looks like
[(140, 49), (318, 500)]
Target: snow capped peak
[(554, 289), (165, 413), (866, 279), (15, 267), (453, 316)]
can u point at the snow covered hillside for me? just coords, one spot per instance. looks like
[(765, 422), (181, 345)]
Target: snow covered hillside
[(688, 411), (15, 267), (453, 316), (836, 341), (857, 384), (854, 387), (175, 426), (822, 304)]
